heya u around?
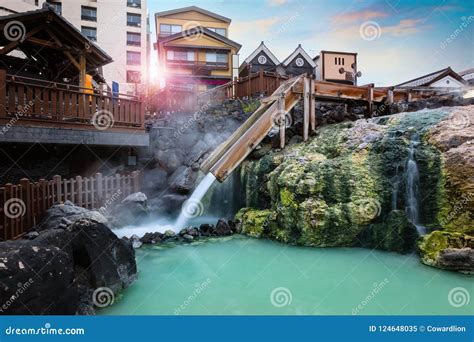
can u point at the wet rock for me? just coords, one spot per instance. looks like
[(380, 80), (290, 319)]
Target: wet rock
[(136, 242), (131, 209), (223, 228), (207, 229), (151, 238), (457, 259), (169, 235), (188, 238), (35, 279), (184, 182), (63, 215)]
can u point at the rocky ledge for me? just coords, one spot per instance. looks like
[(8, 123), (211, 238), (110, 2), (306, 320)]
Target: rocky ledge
[(347, 186), (58, 267)]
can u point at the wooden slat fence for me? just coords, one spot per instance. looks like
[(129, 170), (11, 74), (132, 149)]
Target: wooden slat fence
[(47, 102), (22, 205)]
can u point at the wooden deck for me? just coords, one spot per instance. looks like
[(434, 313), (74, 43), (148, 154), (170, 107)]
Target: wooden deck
[(34, 102), (273, 111)]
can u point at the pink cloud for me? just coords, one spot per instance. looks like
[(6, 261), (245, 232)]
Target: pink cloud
[(360, 15)]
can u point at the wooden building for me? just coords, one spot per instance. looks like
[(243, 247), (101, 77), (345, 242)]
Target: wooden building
[(298, 62), (444, 78), (337, 67), (194, 49), (260, 59)]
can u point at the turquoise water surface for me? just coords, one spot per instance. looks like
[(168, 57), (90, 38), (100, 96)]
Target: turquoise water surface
[(244, 276)]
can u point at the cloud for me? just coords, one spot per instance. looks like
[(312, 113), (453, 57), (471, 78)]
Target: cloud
[(356, 16), (277, 2), (254, 28), (404, 27)]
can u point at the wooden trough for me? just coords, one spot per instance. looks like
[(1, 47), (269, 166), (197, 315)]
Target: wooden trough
[(274, 109)]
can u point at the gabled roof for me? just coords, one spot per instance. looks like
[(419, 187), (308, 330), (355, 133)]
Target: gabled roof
[(200, 30), (466, 72), (69, 35), (262, 47), (428, 79), (299, 50), (193, 8)]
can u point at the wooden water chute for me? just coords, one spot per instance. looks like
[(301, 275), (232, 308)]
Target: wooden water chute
[(274, 109)]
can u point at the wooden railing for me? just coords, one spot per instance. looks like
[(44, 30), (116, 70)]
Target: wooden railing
[(44, 103), (22, 205), (260, 83)]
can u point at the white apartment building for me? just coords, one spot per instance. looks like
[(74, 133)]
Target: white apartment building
[(119, 27)]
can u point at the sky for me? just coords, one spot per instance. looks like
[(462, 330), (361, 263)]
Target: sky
[(396, 40)]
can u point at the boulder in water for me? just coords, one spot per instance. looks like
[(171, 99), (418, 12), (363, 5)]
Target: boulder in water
[(131, 209), (223, 228), (151, 238), (136, 242)]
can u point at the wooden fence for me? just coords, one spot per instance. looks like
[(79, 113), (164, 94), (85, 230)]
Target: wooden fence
[(22, 205), (48, 103)]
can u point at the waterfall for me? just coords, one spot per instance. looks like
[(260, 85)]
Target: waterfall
[(412, 186), (193, 207)]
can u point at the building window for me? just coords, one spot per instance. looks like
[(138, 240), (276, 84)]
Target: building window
[(89, 32), (134, 58), (220, 31), (166, 30), (58, 8), (88, 13), (134, 39), (180, 55), (212, 57), (134, 76), (134, 20), (134, 3)]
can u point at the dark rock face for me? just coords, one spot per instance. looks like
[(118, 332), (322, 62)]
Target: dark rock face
[(223, 228), (131, 209), (457, 259), (35, 279), (66, 261)]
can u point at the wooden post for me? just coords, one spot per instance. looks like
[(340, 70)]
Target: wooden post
[(306, 107), (57, 182), (3, 93), (82, 72), (390, 97), (249, 81), (79, 190), (260, 82), (370, 100), (136, 181), (312, 101), (409, 96), (282, 121), (26, 197)]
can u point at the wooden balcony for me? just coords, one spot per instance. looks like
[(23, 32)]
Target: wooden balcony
[(35, 102)]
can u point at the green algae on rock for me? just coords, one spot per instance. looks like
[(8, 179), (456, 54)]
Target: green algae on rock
[(345, 186)]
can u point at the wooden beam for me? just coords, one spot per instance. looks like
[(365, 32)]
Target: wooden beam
[(282, 119), (370, 100), (312, 102), (13, 45), (306, 109), (82, 71), (72, 60), (3, 93)]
